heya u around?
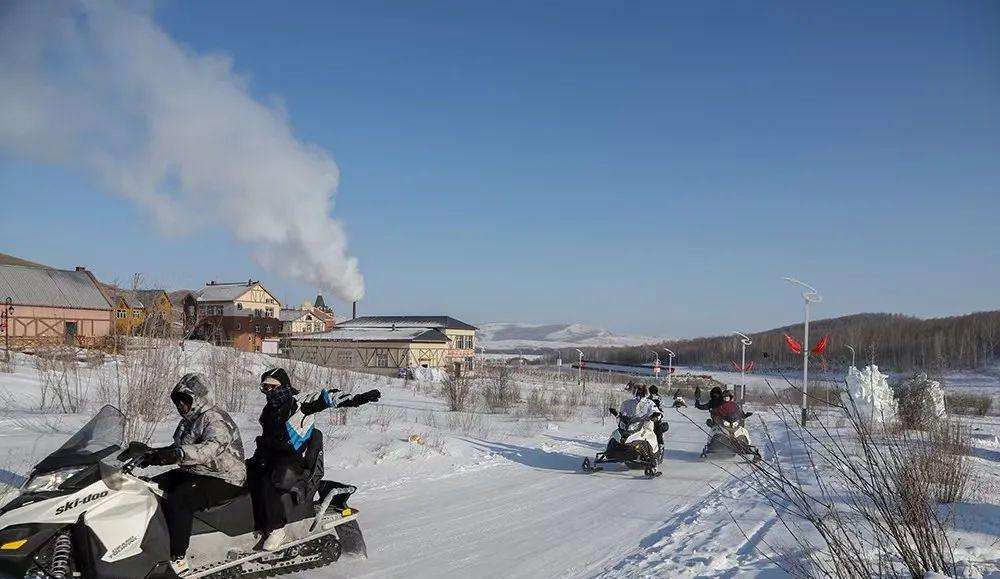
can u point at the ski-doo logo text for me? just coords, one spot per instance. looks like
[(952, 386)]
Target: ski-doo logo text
[(80, 501)]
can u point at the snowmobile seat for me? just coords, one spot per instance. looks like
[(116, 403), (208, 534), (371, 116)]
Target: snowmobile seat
[(233, 517)]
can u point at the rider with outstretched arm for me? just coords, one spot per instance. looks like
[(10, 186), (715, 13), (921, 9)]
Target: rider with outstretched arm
[(286, 427)]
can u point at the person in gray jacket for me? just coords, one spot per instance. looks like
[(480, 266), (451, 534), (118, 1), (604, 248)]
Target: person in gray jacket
[(209, 453)]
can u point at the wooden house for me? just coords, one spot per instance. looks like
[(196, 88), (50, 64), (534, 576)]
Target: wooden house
[(53, 307)]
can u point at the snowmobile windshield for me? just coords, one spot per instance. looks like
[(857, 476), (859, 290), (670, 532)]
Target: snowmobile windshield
[(629, 425), (99, 438)]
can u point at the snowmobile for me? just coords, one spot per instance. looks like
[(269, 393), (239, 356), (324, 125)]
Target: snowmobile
[(84, 513), (729, 437), (632, 443)]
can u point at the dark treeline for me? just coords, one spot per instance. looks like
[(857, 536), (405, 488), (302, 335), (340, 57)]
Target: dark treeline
[(893, 341)]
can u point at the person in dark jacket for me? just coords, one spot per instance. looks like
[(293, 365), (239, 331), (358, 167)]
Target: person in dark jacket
[(287, 422), (660, 426), (209, 453), (714, 399)]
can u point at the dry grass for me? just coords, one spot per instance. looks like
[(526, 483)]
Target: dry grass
[(968, 403), (869, 495)]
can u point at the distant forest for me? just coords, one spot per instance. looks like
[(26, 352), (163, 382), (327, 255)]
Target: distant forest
[(893, 341)]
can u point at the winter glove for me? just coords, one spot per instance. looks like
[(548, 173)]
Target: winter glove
[(613, 412), (359, 399), (161, 457)]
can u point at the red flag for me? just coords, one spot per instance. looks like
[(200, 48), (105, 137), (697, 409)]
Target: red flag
[(735, 366), (793, 345), (751, 365), (821, 345)]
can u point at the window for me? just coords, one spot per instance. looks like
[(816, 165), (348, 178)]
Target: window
[(120, 314), (239, 326), (270, 312), (239, 306), (256, 328)]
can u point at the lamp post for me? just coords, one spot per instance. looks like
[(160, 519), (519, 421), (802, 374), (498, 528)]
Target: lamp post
[(670, 368), (851, 348), (745, 341), (811, 296), (579, 373), (656, 363), (8, 311)]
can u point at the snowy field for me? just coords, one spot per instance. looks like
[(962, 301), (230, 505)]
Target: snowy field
[(501, 495)]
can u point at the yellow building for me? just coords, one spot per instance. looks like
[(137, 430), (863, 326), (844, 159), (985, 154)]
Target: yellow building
[(383, 344), (158, 311), (128, 312)]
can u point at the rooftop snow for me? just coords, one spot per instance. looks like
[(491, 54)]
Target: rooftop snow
[(439, 322), (364, 334)]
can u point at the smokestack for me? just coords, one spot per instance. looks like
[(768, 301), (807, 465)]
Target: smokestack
[(354, 309)]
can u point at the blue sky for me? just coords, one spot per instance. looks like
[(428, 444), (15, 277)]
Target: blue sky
[(652, 168)]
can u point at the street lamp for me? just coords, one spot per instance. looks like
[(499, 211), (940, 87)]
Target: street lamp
[(8, 313), (746, 341), (579, 368), (656, 363), (851, 348), (670, 367), (811, 296)]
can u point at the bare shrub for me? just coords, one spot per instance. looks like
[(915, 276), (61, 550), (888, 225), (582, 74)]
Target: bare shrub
[(866, 492), (138, 383), (383, 417), (470, 424), (457, 392), (968, 403), (945, 456), (230, 373), (499, 390), (62, 387)]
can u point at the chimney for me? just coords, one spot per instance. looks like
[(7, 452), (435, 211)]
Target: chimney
[(354, 309), (80, 268)]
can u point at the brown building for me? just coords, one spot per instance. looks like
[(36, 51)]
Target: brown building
[(240, 314), (54, 306)]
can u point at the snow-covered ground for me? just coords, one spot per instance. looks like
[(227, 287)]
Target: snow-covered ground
[(498, 495)]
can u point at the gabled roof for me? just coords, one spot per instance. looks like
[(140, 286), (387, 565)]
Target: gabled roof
[(222, 292), (319, 303), (148, 297), (423, 335), (34, 286), (290, 314), (437, 322), (130, 297)]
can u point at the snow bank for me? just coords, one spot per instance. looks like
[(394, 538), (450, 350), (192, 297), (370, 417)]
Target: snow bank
[(868, 392)]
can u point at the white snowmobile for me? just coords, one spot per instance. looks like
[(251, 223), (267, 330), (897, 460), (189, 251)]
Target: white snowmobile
[(83, 513), (632, 443), (729, 437)]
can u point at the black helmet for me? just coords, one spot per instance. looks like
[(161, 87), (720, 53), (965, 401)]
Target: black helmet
[(715, 393), (654, 391), (640, 390)]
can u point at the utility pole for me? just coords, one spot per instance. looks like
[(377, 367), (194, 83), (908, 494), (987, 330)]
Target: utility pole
[(811, 296), (746, 341)]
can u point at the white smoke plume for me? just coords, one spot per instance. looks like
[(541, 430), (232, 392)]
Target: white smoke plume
[(98, 85)]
